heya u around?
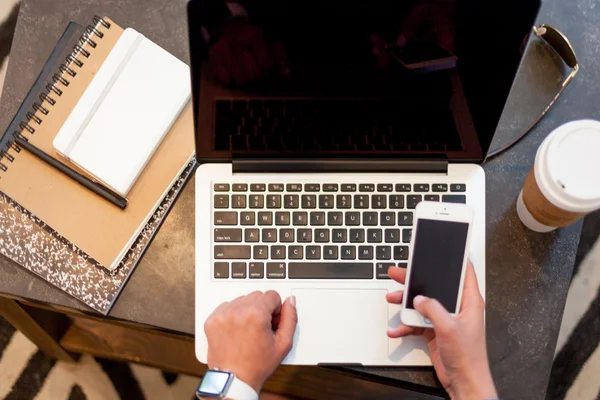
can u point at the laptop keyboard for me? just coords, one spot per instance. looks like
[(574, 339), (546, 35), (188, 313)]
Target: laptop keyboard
[(317, 231), (348, 125)]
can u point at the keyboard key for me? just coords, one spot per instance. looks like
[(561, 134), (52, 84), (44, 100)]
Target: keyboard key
[(385, 187), (344, 201), (406, 235), (400, 252), (221, 187), (265, 218), (221, 270), (309, 201), (313, 252), (296, 252), (275, 187), (357, 235), (381, 271), (392, 235), (251, 235), (361, 201), (247, 218), (221, 201), (312, 187), (278, 252), (228, 235), (238, 201), (326, 201), (348, 187), (324, 270), (240, 187), (293, 187), (403, 187), (304, 236), (260, 252), (383, 252), (275, 270), (225, 218), (432, 197), (269, 235), (352, 218), (339, 236), (405, 218), (366, 187), (412, 200), (282, 218), (317, 218), (334, 218), (291, 201), (402, 265), (421, 187), (374, 235), (273, 201), (379, 201), (330, 252), (439, 187), (230, 252), (458, 187), (388, 218), (370, 218), (286, 235), (257, 201), (454, 198), (330, 187), (321, 235), (258, 187), (238, 270), (365, 252), (300, 218), (348, 253), (396, 201), (256, 270)]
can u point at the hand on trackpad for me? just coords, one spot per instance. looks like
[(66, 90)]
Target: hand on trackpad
[(330, 326)]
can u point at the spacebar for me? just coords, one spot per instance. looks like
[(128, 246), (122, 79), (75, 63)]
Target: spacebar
[(325, 270)]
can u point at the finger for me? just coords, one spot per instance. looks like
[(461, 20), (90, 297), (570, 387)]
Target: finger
[(471, 297), (288, 319), (395, 297), (238, 72), (281, 60), (249, 65), (271, 300), (253, 297), (432, 309), (397, 273), (404, 330)]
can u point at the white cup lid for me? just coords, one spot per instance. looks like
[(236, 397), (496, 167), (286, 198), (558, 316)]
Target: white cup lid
[(573, 165)]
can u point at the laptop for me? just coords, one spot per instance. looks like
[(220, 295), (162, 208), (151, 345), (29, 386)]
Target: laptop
[(317, 133)]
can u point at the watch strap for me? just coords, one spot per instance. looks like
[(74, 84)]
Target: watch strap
[(240, 390)]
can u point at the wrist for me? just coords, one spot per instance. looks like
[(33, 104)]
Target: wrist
[(248, 377), (475, 387)]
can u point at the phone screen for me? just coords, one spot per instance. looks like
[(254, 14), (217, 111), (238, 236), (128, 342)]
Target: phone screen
[(438, 253)]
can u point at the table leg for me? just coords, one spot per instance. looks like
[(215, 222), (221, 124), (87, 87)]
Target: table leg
[(44, 328)]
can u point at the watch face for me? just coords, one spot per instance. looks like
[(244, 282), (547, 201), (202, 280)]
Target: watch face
[(214, 383)]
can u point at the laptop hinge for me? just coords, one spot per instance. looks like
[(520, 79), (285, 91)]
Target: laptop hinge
[(357, 166)]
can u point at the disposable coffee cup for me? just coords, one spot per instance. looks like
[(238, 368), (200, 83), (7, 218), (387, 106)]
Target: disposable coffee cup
[(564, 182)]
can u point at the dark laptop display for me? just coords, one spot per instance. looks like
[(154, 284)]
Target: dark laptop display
[(335, 78)]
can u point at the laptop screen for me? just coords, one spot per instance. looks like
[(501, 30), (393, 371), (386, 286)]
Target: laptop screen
[(332, 78)]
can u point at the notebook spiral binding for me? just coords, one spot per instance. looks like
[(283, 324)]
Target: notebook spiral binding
[(89, 38)]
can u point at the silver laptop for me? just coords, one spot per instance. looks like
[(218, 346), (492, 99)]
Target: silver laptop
[(317, 136)]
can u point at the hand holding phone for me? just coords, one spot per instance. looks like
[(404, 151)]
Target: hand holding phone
[(438, 259)]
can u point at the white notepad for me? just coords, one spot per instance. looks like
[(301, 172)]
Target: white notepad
[(126, 111)]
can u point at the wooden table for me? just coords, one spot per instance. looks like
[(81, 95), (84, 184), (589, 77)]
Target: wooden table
[(527, 274)]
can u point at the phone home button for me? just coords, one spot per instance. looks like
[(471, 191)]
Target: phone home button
[(427, 321)]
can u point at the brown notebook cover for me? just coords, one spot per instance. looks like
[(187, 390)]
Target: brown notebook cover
[(97, 227)]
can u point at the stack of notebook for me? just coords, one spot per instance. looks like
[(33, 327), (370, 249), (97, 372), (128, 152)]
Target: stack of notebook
[(102, 106)]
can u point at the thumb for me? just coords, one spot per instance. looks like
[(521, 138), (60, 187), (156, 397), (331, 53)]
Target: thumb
[(284, 335), (435, 312)]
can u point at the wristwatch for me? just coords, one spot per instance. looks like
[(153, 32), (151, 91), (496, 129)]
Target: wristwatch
[(217, 384)]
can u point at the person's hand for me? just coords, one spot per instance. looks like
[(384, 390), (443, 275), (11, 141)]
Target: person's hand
[(241, 54), (251, 335), (456, 345)]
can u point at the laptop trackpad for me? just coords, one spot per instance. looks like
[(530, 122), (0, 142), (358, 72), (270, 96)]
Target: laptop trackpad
[(341, 326)]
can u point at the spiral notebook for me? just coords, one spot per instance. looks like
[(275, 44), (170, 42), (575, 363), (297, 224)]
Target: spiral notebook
[(101, 231)]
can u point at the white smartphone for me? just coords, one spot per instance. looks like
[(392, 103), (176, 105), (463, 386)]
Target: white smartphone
[(437, 258)]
